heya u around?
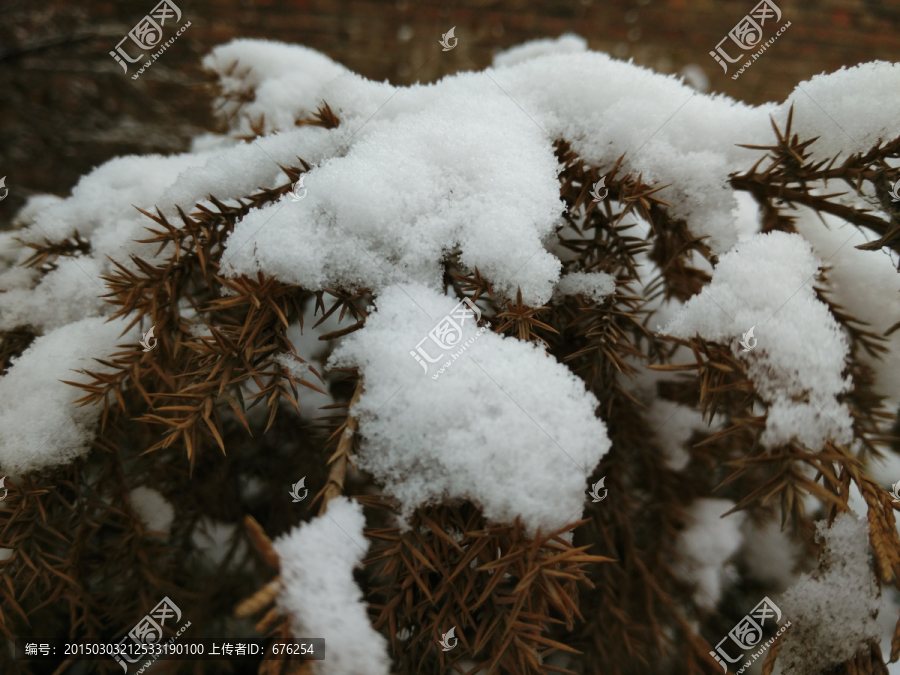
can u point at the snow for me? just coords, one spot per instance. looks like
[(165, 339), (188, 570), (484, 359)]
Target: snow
[(423, 160), (595, 285), (505, 426), (766, 283), (564, 44), (851, 276), (289, 82), (704, 546), (850, 109), (606, 107), (320, 595), (106, 196), (466, 165), (77, 279), (407, 192), (832, 610), (153, 509), (299, 371), (413, 172), (102, 211), (436, 166), (40, 424)]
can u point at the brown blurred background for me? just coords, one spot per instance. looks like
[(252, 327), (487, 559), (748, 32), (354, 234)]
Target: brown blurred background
[(66, 106)]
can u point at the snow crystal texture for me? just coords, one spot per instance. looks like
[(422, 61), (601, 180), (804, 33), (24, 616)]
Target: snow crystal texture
[(505, 426), (833, 610), (320, 595), (798, 352), (40, 424)]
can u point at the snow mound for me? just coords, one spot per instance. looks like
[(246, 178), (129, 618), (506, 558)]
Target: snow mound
[(505, 426), (833, 610), (798, 351), (407, 193), (77, 279), (40, 424), (706, 544), (320, 595), (850, 109), (564, 44), (288, 82)]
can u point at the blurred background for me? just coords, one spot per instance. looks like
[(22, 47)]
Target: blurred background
[(66, 106)]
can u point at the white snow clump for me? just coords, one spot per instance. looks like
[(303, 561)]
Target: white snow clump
[(320, 595), (595, 285), (564, 44), (40, 424), (505, 426), (833, 610), (797, 364), (705, 544), (153, 509)]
